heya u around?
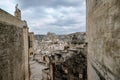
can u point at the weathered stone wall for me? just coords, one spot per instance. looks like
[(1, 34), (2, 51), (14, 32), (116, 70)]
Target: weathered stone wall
[(11, 47), (103, 31), (26, 54), (31, 44), (11, 52)]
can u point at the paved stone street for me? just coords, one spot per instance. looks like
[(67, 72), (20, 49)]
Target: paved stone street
[(36, 70)]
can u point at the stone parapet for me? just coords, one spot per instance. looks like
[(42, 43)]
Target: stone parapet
[(9, 19)]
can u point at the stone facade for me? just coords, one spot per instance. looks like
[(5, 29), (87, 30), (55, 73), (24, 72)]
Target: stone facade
[(11, 49), (26, 49), (14, 50), (103, 32), (31, 44)]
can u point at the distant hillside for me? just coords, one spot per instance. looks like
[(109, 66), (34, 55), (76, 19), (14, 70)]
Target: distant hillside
[(81, 36), (39, 37)]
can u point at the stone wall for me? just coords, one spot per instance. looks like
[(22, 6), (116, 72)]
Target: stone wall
[(31, 44), (11, 52), (11, 47), (10, 19), (103, 31), (26, 53)]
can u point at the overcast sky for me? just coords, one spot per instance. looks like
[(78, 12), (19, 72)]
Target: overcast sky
[(58, 16)]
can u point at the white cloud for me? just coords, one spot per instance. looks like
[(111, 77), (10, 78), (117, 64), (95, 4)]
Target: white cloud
[(67, 17), (8, 5)]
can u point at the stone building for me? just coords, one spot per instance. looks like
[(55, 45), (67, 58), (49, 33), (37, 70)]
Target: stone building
[(103, 32), (66, 65), (28, 48), (31, 44), (14, 50)]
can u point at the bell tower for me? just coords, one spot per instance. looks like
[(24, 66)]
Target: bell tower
[(17, 12)]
